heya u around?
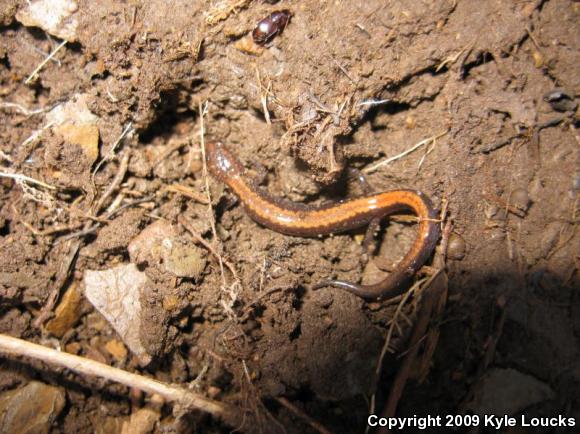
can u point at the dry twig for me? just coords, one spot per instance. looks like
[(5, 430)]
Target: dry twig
[(313, 423), (20, 178), (18, 347), (434, 288), (387, 344), (23, 110)]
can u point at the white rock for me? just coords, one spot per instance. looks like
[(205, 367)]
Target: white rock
[(56, 17), (75, 111), (507, 391)]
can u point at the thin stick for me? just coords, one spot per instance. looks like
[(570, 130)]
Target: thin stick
[(63, 272), (23, 178), (33, 137), (117, 180), (22, 109), (373, 102), (18, 347), (314, 424), (432, 291), (44, 62), (343, 70), (126, 131), (380, 164), (202, 111), (187, 192), (387, 343)]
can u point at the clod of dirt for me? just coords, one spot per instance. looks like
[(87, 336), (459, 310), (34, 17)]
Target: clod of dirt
[(116, 294), (30, 409), (146, 245), (184, 260), (116, 235), (14, 324), (18, 280), (520, 199), (56, 17), (75, 146), (67, 313), (456, 247), (109, 425), (84, 135), (507, 391), (247, 45), (158, 245)]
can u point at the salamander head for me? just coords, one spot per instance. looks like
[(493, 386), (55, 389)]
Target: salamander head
[(221, 163)]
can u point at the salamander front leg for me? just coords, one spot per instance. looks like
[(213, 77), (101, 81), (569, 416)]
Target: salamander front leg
[(369, 245)]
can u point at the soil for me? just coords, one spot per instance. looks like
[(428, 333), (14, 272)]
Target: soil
[(346, 84)]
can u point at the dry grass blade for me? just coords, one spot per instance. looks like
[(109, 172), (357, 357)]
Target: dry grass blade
[(380, 164), (44, 62), (223, 10)]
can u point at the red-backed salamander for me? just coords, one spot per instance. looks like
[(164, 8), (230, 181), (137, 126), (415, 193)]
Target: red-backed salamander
[(301, 220)]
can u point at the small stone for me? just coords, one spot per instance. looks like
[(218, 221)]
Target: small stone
[(538, 59), (213, 392), (456, 247), (141, 422), (158, 244), (116, 349), (74, 111), (30, 409), (73, 348), (170, 302), (520, 199), (248, 46), (67, 313), (94, 354), (507, 391)]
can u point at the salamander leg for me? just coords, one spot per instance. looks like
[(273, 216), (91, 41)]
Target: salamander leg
[(368, 244)]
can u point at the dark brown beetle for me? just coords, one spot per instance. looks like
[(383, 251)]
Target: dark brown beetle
[(271, 26)]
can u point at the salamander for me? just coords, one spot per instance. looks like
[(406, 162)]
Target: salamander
[(303, 220)]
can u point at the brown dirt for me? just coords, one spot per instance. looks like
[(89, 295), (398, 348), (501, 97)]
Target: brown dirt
[(476, 70)]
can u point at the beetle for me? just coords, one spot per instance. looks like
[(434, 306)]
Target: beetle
[(271, 26)]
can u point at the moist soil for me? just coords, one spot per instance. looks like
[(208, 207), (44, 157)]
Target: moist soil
[(488, 91)]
